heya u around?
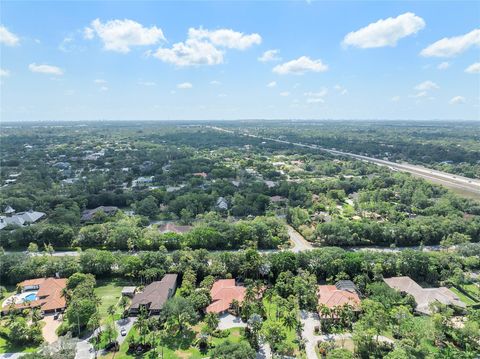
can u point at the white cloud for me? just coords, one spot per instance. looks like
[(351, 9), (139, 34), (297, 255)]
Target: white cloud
[(103, 88), (473, 68), (395, 99), (45, 69), (222, 95), (443, 66), (452, 46), (8, 38), (147, 83), (385, 32), (316, 97), (272, 84), (285, 93), (421, 94), (226, 38), (185, 85), (426, 86), (270, 55), (215, 83), (190, 53), (300, 66), (100, 81), (4, 73), (205, 47), (341, 90), (457, 100), (120, 35)]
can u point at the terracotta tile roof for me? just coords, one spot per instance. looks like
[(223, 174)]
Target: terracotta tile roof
[(223, 292), (331, 296), (49, 295), (173, 228)]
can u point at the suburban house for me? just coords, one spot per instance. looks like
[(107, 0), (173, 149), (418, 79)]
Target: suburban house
[(342, 293), (43, 293), (19, 219), (173, 228), (154, 295), (89, 214), (222, 204), (223, 292), (129, 291), (424, 297)]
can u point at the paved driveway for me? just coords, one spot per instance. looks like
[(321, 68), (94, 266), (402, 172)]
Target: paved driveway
[(11, 355), (126, 323), (310, 320), (228, 321), (50, 327)]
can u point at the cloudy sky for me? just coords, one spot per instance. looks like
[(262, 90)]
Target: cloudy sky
[(239, 60)]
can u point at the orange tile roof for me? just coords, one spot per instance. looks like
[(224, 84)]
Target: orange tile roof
[(223, 292), (332, 297), (49, 295)]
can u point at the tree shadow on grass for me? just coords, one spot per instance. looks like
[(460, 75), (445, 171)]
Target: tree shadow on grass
[(182, 340)]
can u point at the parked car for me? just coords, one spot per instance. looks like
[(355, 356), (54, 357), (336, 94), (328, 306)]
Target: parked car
[(56, 316), (123, 332)]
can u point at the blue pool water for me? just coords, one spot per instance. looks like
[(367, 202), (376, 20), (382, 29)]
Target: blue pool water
[(30, 297)]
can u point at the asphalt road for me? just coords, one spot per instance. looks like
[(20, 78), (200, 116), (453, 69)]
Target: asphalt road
[(465, 186), (299, 243)]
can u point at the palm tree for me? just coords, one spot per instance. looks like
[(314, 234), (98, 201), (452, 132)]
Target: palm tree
[(123, 303), (141, 325), (235, 305), (324, 311), (290, 320), (111, 312)]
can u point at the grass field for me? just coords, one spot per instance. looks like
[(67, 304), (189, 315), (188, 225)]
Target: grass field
[(178, 348), (7, 347), (109, 293), (463, 297)]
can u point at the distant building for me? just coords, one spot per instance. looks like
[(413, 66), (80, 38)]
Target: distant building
[(342, 293), (155, 295), (222, 204), (223, 292), (424, 297), (129, 291), (174, 228), (19, 219), (89, 214), (277, 199), (200, 174), (142, 181)]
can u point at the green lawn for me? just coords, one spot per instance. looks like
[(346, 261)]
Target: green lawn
[(109, 293), (178, 348), (463, 297), (7, 347), (472, 290)]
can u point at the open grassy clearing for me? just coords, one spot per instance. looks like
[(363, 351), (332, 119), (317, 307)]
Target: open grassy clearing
[(178, 347)]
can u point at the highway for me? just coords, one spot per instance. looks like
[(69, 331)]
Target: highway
[(462, 185)]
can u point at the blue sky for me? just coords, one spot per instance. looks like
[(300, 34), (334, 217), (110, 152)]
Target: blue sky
[(202, 60)]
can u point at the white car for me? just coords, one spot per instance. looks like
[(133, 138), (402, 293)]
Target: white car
[(123, 332)]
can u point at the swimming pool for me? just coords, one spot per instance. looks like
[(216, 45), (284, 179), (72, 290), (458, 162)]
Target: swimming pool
[(30, 297)]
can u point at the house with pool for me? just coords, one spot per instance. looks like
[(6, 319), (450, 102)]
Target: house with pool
[(43, 293)]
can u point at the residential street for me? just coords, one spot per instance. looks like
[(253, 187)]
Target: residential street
[(299, 243)]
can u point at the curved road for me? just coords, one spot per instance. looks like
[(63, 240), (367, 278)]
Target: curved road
[(462, 185)]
